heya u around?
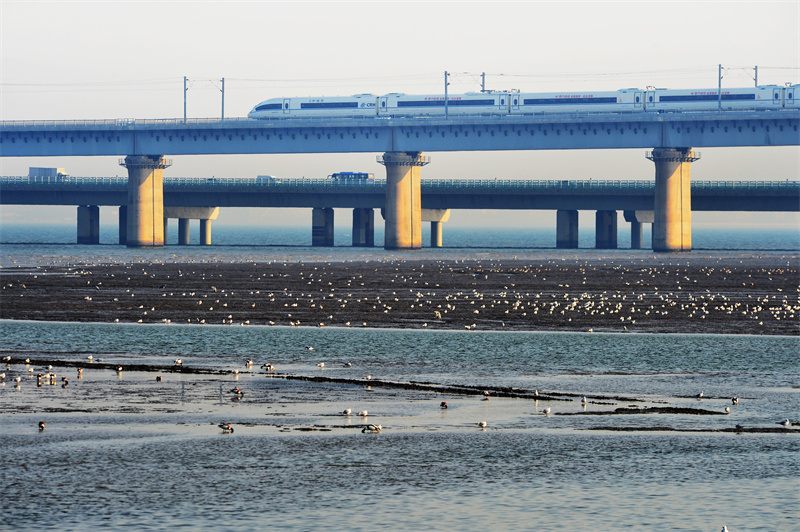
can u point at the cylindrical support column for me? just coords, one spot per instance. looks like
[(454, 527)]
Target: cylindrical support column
[(145, 200), (183, 231), (672, 223), (123, 224), (606, 230), (88, 224), (322, 227), (436, 234), (566, 229), (205, 232), (403, 199), (363, 228), (636, 235)]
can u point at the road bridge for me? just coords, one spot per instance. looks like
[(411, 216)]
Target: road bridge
[(402, 142), (198, 198)]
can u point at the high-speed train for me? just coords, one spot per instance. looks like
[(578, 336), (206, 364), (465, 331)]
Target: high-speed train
[(520, 103)]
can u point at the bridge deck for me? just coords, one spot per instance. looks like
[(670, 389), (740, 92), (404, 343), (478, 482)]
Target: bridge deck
[(436, 194), (343, 135)]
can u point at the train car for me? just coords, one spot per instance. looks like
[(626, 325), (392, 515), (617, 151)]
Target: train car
[(315, 107), (625, 100), (473, 103), (790, 99), (499, 103), (352, 176), (763, 97)]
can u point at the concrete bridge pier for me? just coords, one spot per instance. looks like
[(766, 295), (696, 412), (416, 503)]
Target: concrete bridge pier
[(606, 230), (637, 218), (436, 217), (184, 216), (205, 232), (183, 231), (403, 199), (636, 234), (363, 228), (436, 234), (88, 224), (672, 224), (123, 224), (145, 226), (566, 229), (322, 227)]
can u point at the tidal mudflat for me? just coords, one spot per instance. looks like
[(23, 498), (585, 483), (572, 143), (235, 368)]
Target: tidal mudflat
[(690, 294)]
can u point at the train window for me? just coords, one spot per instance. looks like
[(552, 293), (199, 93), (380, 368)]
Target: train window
[(637, 99), (777, 95), (286, 106), (790, 95), (502, 101), (650, 99), (383, 104), (515, 101)]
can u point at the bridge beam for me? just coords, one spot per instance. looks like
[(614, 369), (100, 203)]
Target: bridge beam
[(88, 224), (566, 229), (672, 222), (145, 200), (363, 228), (606, 230), (403, 199), (322, 227)]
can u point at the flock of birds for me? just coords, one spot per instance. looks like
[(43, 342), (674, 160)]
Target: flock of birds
[(49, 376), (645, 295)]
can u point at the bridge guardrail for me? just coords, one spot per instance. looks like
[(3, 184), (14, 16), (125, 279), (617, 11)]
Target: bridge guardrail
[(249, 183), (343, 120)]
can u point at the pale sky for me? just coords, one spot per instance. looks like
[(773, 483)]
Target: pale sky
[(127, 59)]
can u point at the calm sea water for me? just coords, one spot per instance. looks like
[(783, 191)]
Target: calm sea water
[(775, 237), (48, 244), (120, 451)]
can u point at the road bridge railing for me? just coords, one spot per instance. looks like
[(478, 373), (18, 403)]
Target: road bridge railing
[(455, 185)]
